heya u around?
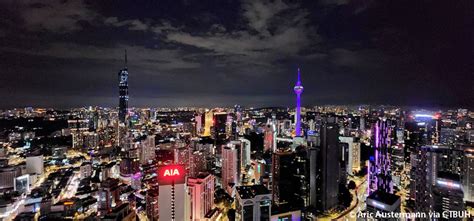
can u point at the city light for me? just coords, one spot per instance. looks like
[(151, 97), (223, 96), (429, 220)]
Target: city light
[(194, 110)]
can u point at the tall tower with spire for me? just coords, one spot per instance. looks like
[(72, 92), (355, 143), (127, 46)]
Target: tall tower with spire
[(123, 91), (298, 91)]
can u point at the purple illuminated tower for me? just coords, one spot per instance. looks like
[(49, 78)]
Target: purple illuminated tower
[(379, 169), (298, 91)]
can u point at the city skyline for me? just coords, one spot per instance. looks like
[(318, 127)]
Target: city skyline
[(178, 110), (66, 54)]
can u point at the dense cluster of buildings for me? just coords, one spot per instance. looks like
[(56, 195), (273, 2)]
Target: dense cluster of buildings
[(232, 163)]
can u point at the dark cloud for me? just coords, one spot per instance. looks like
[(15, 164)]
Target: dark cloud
[(67, 53)]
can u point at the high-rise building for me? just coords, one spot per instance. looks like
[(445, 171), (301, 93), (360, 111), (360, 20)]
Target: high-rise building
[(313, 176), (468, 178), (172, 195), (290, 183), (147, 149), (298, 91), (245, 152), (109, 195), (281, 177), (353, 161), (123, 92), (379, 170), (268, 138), (197, 163), (447, 136), (78, 128), (201, 194), (436, 172), (301, 178), (447, 193), (328, 167), (253, 203), (380, 185), (198, 120), (208, 123), (152, 209), (230, 167), (220, 124)]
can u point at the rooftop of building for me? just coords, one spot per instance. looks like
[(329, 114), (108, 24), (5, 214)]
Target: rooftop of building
[(449, 176), (110, 182), (202, 175), (248, 192), (384, 197)]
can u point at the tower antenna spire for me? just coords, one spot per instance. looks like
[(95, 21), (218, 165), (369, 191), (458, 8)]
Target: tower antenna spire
[(125, 58), (299, 76)]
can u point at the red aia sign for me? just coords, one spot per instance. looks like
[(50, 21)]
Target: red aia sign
[(169, 173)]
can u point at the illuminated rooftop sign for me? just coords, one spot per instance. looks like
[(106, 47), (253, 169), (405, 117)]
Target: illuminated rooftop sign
[(170, 174), (448, 183)]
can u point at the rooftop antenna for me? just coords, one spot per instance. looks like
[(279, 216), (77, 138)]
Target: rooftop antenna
[(299, 77), (125, 58)]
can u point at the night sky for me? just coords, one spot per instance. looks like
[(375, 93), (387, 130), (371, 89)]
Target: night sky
[(223, 52)]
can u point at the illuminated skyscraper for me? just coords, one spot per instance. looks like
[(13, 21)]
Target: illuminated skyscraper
[(123, 91), (298, 91), (381, 197), (437, 177), (172, 196), (379, 171), (230, 167)]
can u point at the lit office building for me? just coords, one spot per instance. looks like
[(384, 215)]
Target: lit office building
[(379, 170), (172, 196), (78, 128), (433, 165), (447, 136), (468, 179), (447, 193), (380, 189)]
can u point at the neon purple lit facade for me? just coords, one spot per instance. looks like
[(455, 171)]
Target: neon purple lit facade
[(379, 165), (298, 91)]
